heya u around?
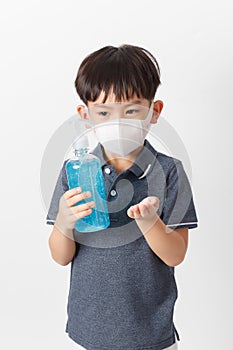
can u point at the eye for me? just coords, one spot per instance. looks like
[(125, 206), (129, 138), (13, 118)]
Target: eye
[(103, 114), (132, 111)]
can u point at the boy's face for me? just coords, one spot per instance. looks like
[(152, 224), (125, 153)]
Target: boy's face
[(134, 108)]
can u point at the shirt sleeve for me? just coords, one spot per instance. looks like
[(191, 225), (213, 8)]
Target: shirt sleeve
[(179, 210), (60, 188)]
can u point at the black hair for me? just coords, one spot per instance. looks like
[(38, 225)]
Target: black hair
[(126, 70)]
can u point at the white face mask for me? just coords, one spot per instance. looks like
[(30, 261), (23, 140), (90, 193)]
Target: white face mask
[(122, 136)]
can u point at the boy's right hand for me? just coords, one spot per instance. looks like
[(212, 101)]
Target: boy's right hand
[(68, 214)]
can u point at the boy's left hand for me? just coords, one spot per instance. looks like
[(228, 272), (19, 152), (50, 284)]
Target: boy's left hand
[(146, 209), (145, 213)]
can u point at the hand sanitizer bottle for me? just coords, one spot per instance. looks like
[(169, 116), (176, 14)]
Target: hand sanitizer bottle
[(84, 170)]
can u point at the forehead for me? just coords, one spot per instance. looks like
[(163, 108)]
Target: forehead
[(112, 99)]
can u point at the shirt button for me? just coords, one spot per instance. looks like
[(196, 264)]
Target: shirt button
[(113, 193), (107, 171)]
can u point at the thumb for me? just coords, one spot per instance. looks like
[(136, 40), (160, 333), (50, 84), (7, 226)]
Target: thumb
[(153, 201)]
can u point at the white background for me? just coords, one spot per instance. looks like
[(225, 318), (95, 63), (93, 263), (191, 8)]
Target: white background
[(42, 45)]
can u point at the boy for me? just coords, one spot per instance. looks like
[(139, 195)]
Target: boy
[(122, 286)]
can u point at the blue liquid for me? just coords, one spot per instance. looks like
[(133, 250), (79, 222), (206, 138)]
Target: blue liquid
[(86, 172)]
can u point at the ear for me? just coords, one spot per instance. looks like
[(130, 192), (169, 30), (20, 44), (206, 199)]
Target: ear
[(157, 109), (82, 111)]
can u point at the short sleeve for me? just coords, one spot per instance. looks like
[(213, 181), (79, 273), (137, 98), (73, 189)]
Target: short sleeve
[(60, 188), (178, 209)]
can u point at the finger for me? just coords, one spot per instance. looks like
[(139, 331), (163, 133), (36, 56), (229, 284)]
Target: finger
[(136, 211), (144, 211), (82, 207), (153, 201), (78, 198), (70, 193), (130, 213), (150, 201), (84, 213)]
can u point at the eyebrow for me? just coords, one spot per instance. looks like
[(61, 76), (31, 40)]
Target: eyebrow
[(108, 105)]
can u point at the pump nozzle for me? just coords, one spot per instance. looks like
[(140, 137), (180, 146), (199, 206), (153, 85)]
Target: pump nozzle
[(81, 142)]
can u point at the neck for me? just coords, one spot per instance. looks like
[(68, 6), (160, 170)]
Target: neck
[(121, 163)]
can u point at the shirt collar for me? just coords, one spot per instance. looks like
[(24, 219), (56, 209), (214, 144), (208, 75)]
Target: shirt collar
[(143, 163)]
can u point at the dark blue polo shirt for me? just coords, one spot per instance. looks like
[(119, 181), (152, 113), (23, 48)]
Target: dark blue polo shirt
[(122, 295)]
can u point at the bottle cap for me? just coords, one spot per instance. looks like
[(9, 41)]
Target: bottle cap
[(81, 142)]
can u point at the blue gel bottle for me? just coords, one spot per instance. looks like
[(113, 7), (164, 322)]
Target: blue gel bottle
[(84, 170)]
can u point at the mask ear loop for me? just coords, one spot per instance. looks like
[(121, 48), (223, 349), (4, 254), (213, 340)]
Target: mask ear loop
[(147, 122), (89, 124), (150, 114), (90, 130), (145, 172)]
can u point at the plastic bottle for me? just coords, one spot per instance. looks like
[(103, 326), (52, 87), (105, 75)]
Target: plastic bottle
[(84, 170)]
